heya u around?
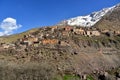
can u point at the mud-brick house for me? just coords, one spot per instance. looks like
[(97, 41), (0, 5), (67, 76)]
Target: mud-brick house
[(8, 45), (108, 32), (21, 47), (1, 48), (26, 36), (64, 43), (92, 33), (12, 46), (89, 33), (41, 35), (68, 28), (105, 31), (117, 32), (96, 33), (79, 31), (5, 46), (50, 41), (53, 28), (64, 33)]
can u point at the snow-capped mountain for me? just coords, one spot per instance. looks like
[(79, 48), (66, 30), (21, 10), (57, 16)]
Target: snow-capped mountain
[(88, 20)]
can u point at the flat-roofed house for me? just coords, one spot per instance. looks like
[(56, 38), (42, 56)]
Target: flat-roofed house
[(92, 33), (79, 31), (49, 41)]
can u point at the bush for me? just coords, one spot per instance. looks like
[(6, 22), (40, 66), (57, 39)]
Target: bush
[(27, 72)]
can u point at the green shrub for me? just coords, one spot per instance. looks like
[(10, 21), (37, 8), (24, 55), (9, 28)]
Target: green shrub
[(90, 77)]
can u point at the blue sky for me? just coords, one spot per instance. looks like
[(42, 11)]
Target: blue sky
[(35, 13)]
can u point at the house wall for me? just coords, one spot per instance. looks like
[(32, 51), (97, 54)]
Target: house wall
[(5, 46), (95, 33), (50, 41), (117, 32), (105, 31), (88, 33), (53, 28), (68, 28), (79, 31), (33, 39), (64, 33), (63, 43)]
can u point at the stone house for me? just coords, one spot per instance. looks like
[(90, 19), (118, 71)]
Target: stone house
[(64, 33), (63, 43), (36, 44), (26, 42), (5, 46), (12, 46), (26, 36), (89, 33), (53, 28), (95, 33), (29, 41), (92, 33), (117, 32), (68, 28), (22, 46), (105, 31), (41, 35), (47, 35), (110, 33), (1, 48), (79, 31)]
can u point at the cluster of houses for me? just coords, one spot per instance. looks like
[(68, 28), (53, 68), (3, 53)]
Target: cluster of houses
[(29, 40), (49, 35), (77, 30), (49, 38)]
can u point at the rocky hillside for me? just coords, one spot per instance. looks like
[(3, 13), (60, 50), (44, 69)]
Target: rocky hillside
[(64, 52), (110, 21)]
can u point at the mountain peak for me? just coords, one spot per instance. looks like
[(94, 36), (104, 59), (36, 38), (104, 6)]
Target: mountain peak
[(118, 5), (89, 20)]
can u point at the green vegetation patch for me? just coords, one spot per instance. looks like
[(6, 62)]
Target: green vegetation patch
[(90, 77), (71, 77)]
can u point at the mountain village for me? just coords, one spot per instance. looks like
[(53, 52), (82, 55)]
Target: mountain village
[(52, 35), (84, 47)]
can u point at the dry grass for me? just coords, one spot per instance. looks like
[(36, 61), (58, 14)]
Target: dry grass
[(12, 38)]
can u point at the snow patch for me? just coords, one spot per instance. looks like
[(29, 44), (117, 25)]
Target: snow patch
[(88, 20)]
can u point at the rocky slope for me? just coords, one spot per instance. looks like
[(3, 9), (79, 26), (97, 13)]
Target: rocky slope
[(110, 21), (64, 51)]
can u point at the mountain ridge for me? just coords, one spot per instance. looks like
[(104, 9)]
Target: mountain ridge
[(88, 20)]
